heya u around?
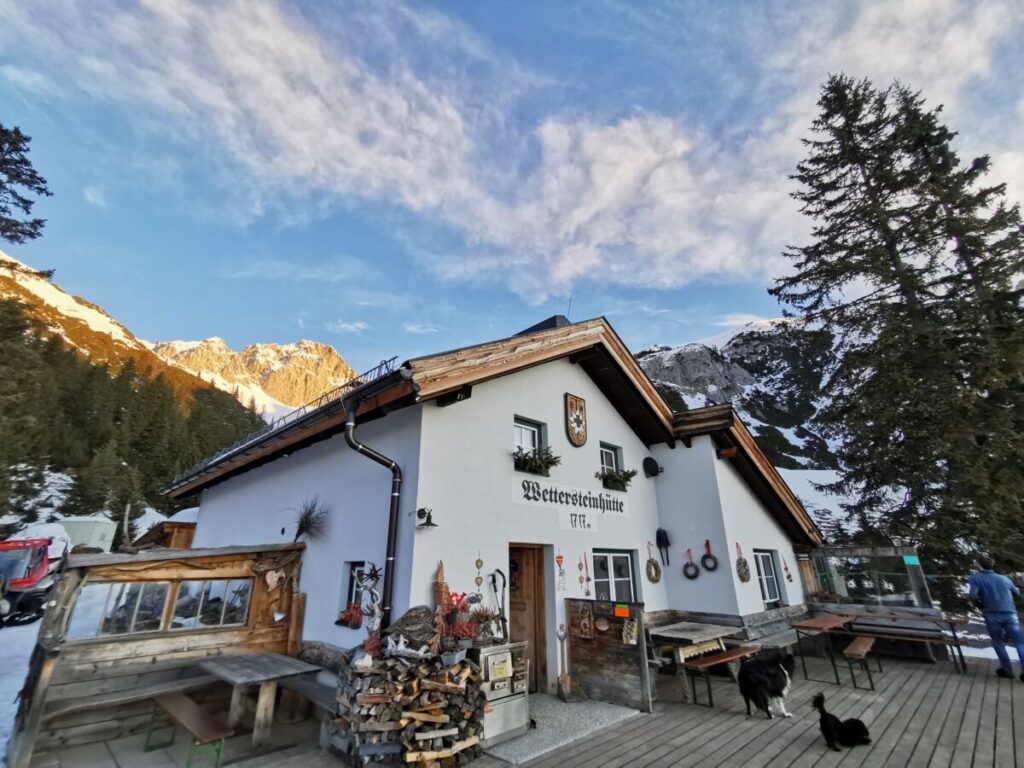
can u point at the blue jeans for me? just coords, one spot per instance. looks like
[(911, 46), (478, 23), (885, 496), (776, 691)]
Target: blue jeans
[(1004, 627)]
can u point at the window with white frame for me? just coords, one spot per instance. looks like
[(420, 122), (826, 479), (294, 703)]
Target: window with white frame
[(527, 436), (613, 576), (611, 458), (767, 578), (354, 592)]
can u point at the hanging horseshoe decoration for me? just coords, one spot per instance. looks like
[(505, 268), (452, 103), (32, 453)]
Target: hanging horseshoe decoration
[(690, 570), (709, 561)]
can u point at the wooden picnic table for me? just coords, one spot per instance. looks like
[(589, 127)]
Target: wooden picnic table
[(247, 669), (691, 638), (825, 625)]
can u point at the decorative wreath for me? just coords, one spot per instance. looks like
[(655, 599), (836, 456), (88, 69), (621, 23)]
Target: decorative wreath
[(653, 571), (690, 570), (709, 561)]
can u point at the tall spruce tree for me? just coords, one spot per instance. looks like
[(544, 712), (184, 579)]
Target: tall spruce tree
[(18, 180), (911, 267)]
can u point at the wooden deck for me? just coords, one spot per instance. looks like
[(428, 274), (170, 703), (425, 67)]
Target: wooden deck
[(920, 715)]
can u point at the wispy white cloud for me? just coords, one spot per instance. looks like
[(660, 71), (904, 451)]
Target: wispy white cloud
[(401, 104), (337, 271), (95, 195), (28, 80), (342, 327), (420, 328)]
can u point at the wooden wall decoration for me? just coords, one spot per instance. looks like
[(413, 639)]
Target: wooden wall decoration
[(601, 665)]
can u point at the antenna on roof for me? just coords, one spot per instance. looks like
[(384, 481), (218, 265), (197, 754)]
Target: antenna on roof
[(569, 308)]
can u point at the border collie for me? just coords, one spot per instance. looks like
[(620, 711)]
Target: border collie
[(765, 681), (849, 733)]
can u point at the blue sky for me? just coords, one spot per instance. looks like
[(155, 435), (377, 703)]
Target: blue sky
[(399, 178)]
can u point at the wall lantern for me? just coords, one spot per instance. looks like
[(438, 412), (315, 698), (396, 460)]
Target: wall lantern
[(427, 516)]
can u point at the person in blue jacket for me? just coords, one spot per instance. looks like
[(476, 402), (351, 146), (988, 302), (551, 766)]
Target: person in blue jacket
[(993, 593)]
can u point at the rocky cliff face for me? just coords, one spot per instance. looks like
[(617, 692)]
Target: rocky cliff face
[(272, 377), (770, 373)]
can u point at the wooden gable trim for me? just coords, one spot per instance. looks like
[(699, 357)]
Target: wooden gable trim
[(734, 442), (440, 374)]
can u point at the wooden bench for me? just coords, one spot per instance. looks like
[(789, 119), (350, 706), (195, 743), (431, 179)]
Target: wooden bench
[(702, 665), (128, 696), (208, 731), (858, 650), (323, 697), (928, 638)]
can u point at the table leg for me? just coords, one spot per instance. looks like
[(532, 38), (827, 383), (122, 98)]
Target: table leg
[(264, 713), (832, 657), (959, 650), (800, 652), (237, 710)]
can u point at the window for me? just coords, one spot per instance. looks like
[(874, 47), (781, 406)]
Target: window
[(613, 576), (354, 593), (767, 578), (526, 435), (213, 603), (124, 608), (611, 458)]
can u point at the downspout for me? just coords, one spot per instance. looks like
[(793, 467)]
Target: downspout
[(396, 491)]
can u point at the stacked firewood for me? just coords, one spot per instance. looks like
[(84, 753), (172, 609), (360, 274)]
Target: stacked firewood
[(409, 710)]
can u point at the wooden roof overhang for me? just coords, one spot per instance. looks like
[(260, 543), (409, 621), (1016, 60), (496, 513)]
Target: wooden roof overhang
[(591, 344), (321, 424), (734, 443)]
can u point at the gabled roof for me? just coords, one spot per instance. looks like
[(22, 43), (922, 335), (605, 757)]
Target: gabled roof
[(592, 344), (735, 444)]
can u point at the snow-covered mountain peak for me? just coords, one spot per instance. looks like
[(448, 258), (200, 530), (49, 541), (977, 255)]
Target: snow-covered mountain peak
[(272, 377)]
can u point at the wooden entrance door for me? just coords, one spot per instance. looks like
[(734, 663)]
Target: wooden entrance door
[(526, 607)]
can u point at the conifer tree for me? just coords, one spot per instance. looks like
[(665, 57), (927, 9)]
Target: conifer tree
[(18, 179), (911, 269)]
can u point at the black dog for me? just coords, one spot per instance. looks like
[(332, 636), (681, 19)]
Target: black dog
[(849, 733), (762, 681)]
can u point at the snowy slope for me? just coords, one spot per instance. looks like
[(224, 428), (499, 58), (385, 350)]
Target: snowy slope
[(274, 378), (85, 326)]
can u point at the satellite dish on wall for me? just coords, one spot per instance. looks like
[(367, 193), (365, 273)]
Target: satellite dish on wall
[(651, 467)]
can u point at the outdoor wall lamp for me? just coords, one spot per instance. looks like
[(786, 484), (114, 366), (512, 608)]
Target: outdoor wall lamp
[(426, 515)]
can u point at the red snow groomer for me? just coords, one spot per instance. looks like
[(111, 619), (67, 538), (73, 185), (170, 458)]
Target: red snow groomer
[(27, 576)]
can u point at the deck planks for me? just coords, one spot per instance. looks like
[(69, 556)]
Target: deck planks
[(920, 715)]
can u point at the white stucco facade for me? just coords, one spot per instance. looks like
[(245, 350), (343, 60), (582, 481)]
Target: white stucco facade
[(457, 461), (258, 507)]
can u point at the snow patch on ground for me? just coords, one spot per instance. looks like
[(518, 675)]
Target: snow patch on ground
[(16, 644)]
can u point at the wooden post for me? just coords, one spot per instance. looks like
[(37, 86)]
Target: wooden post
[(237, 710), (23, 742), (807, 575), (264, 713), (296, 615)]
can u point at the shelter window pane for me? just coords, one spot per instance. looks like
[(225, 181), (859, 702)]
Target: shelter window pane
[(236, 608)]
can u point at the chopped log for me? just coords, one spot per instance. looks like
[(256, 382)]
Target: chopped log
[(423, 735), (426, 717)]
